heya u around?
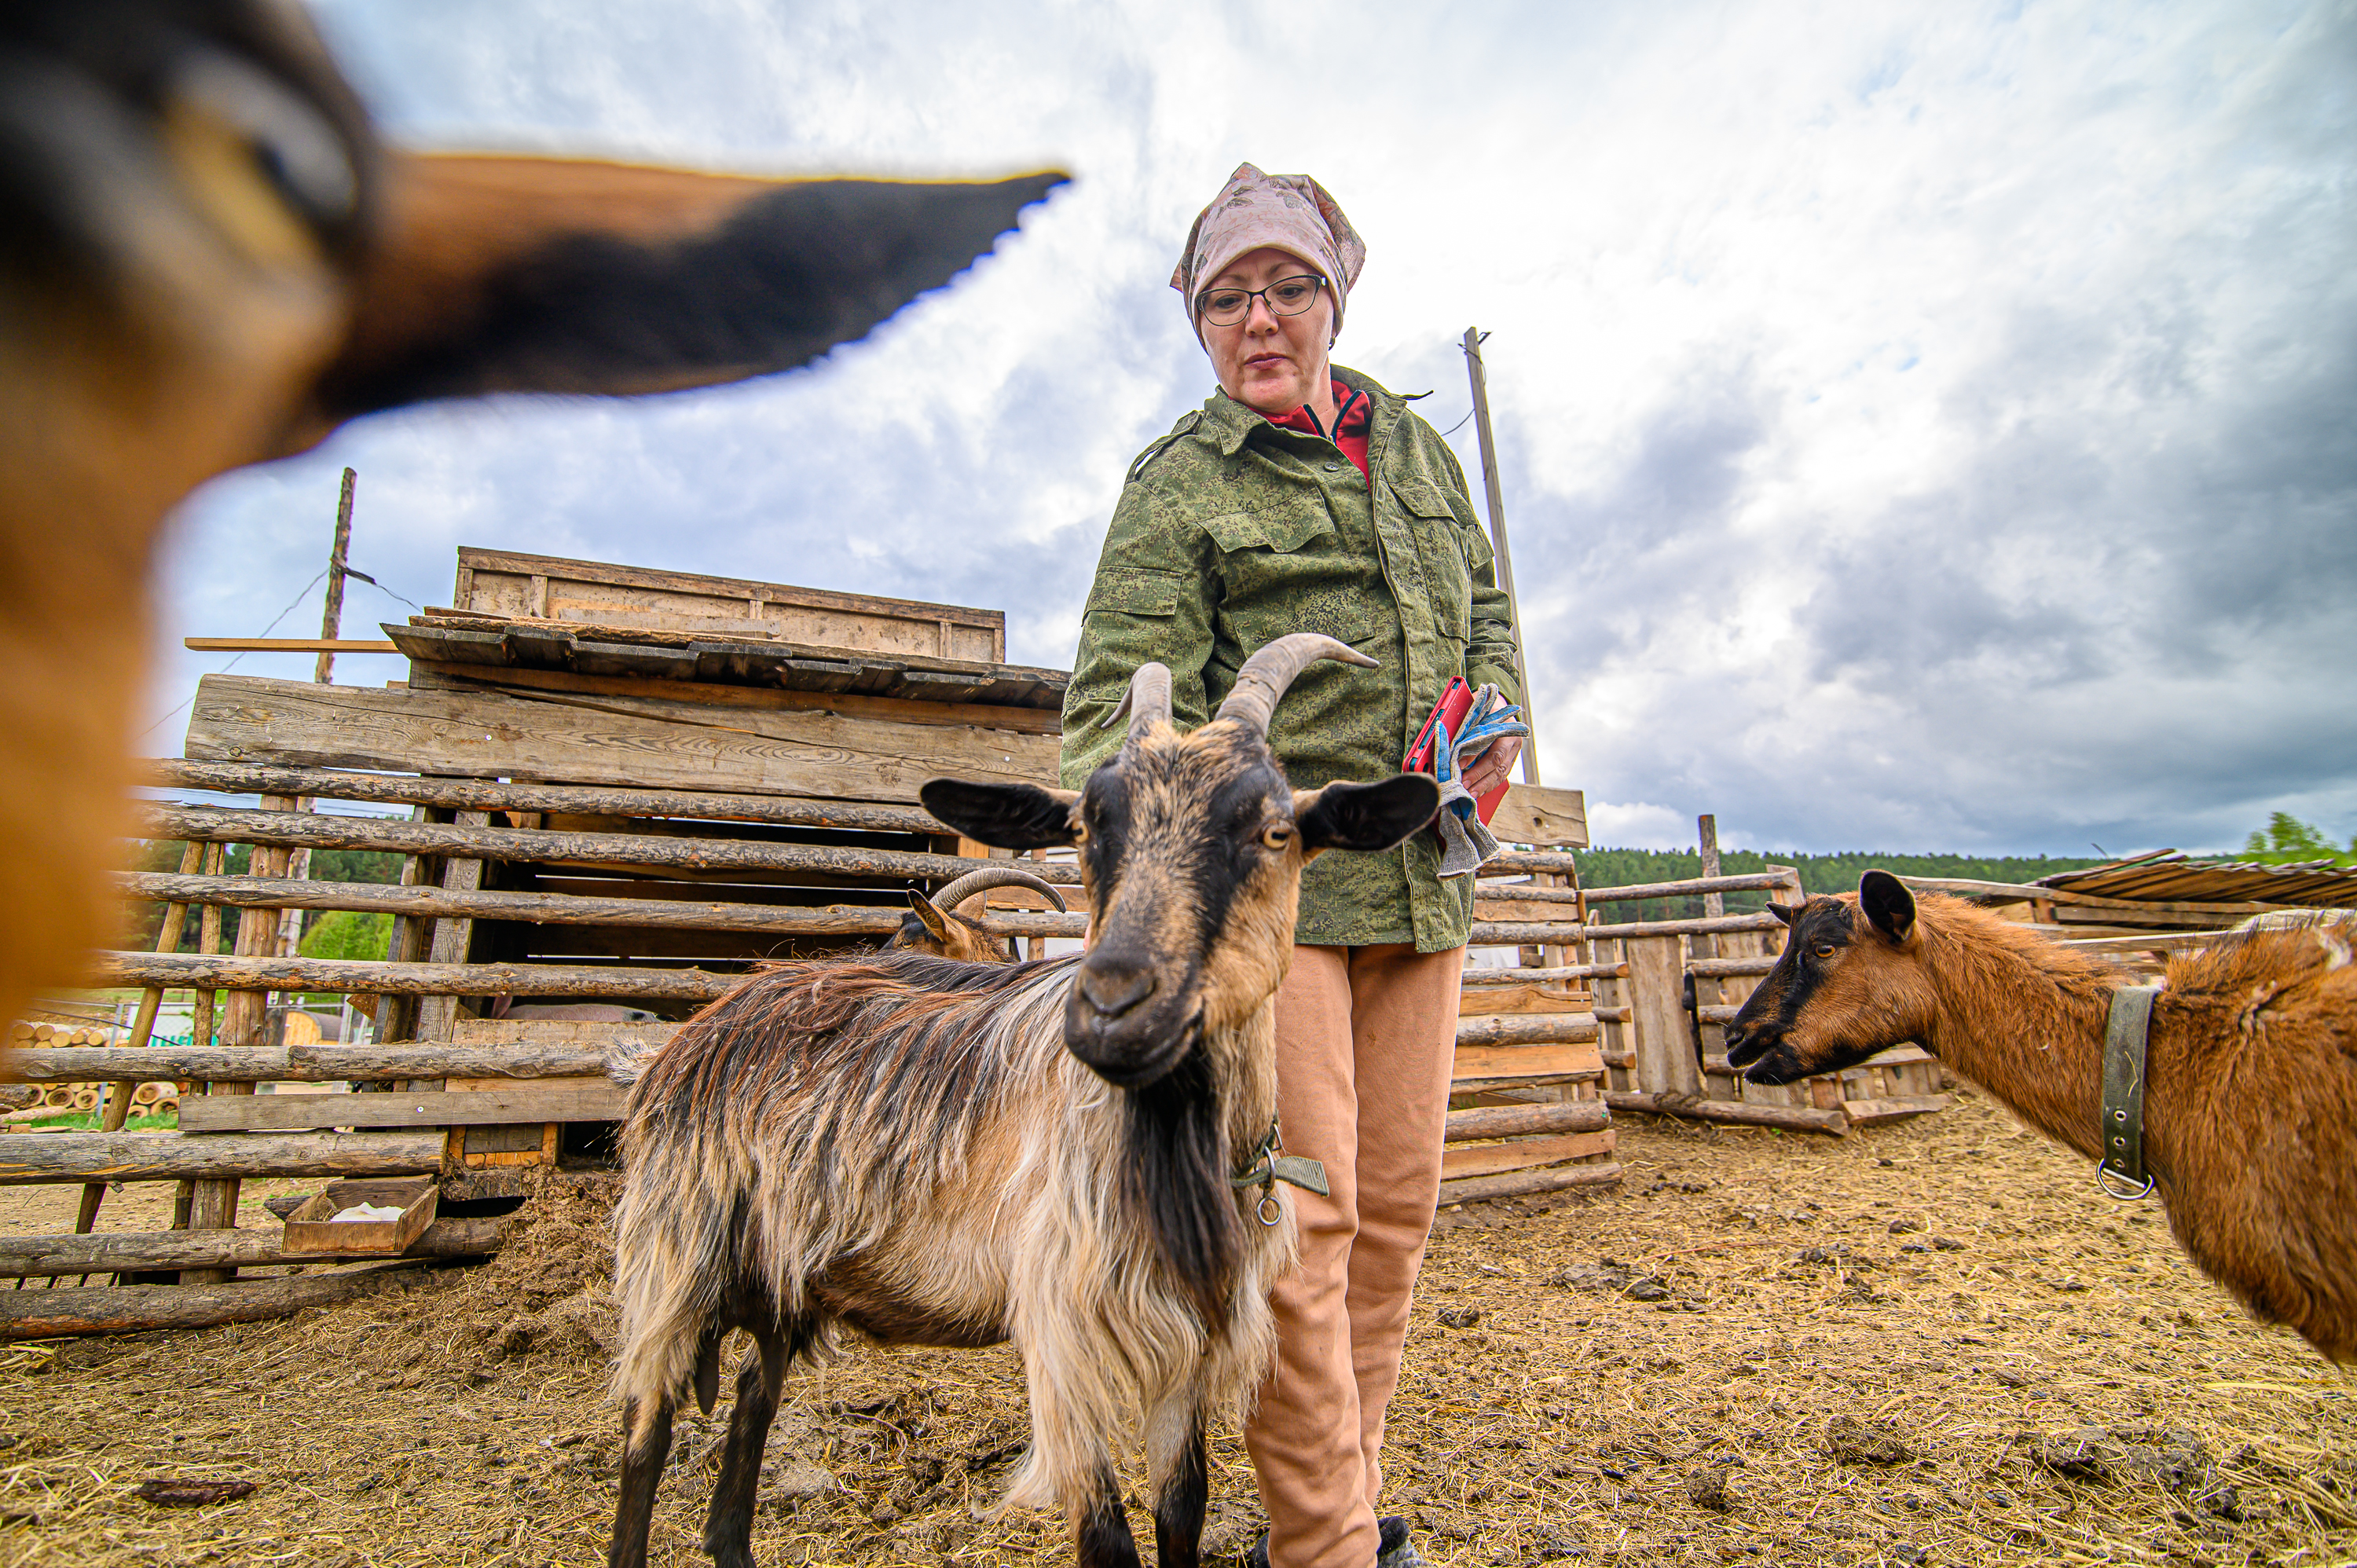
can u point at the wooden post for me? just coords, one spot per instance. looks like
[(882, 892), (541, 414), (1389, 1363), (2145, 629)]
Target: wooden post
[(1806, 1092), (330, 624), (213, 1204), (1708, 991), (1663, 1048), (202, 1005), (143, 1028), (290, 921), (396, 1016), (1473, 339), (438, 1015)]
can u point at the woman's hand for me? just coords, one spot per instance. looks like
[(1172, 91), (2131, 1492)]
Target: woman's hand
[(1490, 769)]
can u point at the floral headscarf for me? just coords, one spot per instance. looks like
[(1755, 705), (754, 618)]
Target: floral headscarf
[(1291, 212)]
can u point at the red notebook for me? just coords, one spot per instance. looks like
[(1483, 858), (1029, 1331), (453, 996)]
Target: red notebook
[(1454, 705)]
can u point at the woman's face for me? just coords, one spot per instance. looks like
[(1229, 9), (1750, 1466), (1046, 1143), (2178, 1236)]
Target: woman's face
[(1270, 363)]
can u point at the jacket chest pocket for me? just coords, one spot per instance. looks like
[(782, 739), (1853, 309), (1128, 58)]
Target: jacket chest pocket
[(1288, 571), (1453, 549)]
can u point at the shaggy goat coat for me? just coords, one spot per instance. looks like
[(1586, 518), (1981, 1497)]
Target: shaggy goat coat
[(904, 1144)]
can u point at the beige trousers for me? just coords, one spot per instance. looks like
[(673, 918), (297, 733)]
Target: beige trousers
[(1365, 1040)]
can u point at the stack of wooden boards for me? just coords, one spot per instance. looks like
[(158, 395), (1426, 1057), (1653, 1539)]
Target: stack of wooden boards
[(614, 788)]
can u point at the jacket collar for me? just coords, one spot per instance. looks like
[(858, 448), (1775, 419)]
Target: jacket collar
[(1228, 424)]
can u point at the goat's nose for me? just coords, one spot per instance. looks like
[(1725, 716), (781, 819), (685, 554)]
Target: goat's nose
[(1113, 988)]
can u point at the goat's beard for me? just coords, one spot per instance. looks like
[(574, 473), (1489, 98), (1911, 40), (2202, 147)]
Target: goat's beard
[(1177, 1178)]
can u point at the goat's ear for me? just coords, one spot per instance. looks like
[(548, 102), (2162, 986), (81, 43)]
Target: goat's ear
[(1786, 913), (1005, 816), (543, 275), (1365, 816), (1889, 907), (930, 914)]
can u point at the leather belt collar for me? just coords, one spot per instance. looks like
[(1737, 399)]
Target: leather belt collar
[(2121, 1175), (1268, 1168)]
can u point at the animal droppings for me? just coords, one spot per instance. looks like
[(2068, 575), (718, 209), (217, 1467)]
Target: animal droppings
[(1854, 1441), (192, 1494), (1706, 1488), (1458, 1316)]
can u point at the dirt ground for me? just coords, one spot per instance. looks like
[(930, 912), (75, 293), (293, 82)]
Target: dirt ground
[(1931, 1343)]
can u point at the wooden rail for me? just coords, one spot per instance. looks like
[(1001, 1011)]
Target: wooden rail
[(317, 1064), (128, 1252), (173, 1157), (1552, 933), (378, 977), (1560, 975), (578, 800), (129, 1309), (426, 902), (310, 830), (1792, 1118), (1515, 1121), (1715, 967)]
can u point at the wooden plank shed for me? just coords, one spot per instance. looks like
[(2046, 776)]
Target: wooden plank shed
[(623, 788)]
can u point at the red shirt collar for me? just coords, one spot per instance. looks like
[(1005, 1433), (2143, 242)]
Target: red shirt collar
[(1354, 413)]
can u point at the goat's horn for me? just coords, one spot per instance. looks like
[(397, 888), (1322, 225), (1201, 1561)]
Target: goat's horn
[(990, 876), (1268, 672), (1147, 701)]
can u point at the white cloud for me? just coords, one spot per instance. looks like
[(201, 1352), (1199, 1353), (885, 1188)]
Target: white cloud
[(1923, 427)]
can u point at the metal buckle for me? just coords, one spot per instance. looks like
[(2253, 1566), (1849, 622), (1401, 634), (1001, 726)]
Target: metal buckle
[(2105, 1176)]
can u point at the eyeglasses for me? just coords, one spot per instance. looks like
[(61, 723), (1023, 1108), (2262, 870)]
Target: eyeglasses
[(1287, 297)]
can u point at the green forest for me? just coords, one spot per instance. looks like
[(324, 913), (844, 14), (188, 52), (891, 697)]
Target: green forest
[(2286, 839), (1835, 873)]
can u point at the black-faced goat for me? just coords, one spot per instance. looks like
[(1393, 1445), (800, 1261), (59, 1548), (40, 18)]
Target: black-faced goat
[(2250, 1108), (208, 260), (949, 1153)]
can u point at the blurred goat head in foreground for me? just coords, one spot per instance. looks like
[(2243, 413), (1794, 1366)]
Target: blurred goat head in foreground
[(208, 260)]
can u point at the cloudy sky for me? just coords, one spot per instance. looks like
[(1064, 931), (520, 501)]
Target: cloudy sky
[(1924, 426)]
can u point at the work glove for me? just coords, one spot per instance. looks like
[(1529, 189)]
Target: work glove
[(1466, 840)]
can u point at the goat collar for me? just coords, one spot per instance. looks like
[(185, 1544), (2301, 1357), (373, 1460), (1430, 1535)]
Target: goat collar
[(2123, 1048), (1267, 1168)]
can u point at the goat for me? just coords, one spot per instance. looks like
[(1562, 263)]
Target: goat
[(933, 925), (207, 260), (2251, 1069), (949, 1153)]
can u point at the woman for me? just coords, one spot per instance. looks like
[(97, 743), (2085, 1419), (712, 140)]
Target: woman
[(1303, 496)]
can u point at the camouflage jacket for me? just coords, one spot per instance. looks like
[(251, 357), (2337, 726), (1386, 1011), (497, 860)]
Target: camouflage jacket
[(1231, 532)]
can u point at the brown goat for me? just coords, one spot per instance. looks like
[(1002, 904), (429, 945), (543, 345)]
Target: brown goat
[(2250, 1071), (933, 925), (1072, 1154), (207, 260)]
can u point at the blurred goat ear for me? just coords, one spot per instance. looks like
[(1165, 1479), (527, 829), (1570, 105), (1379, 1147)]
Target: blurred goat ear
[(930, 913), (544, 274), (1889, 907), (1365, 816), (1005, 816), (1786, 913)]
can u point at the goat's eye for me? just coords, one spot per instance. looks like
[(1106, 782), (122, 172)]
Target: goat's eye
[(1825, 950), (1276, 835)]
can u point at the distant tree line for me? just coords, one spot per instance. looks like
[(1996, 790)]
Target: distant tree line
[(1836, 872), (2287, 840)]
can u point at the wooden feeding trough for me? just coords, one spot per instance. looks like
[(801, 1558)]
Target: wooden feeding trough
[(319, 1228), (616, 788)]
